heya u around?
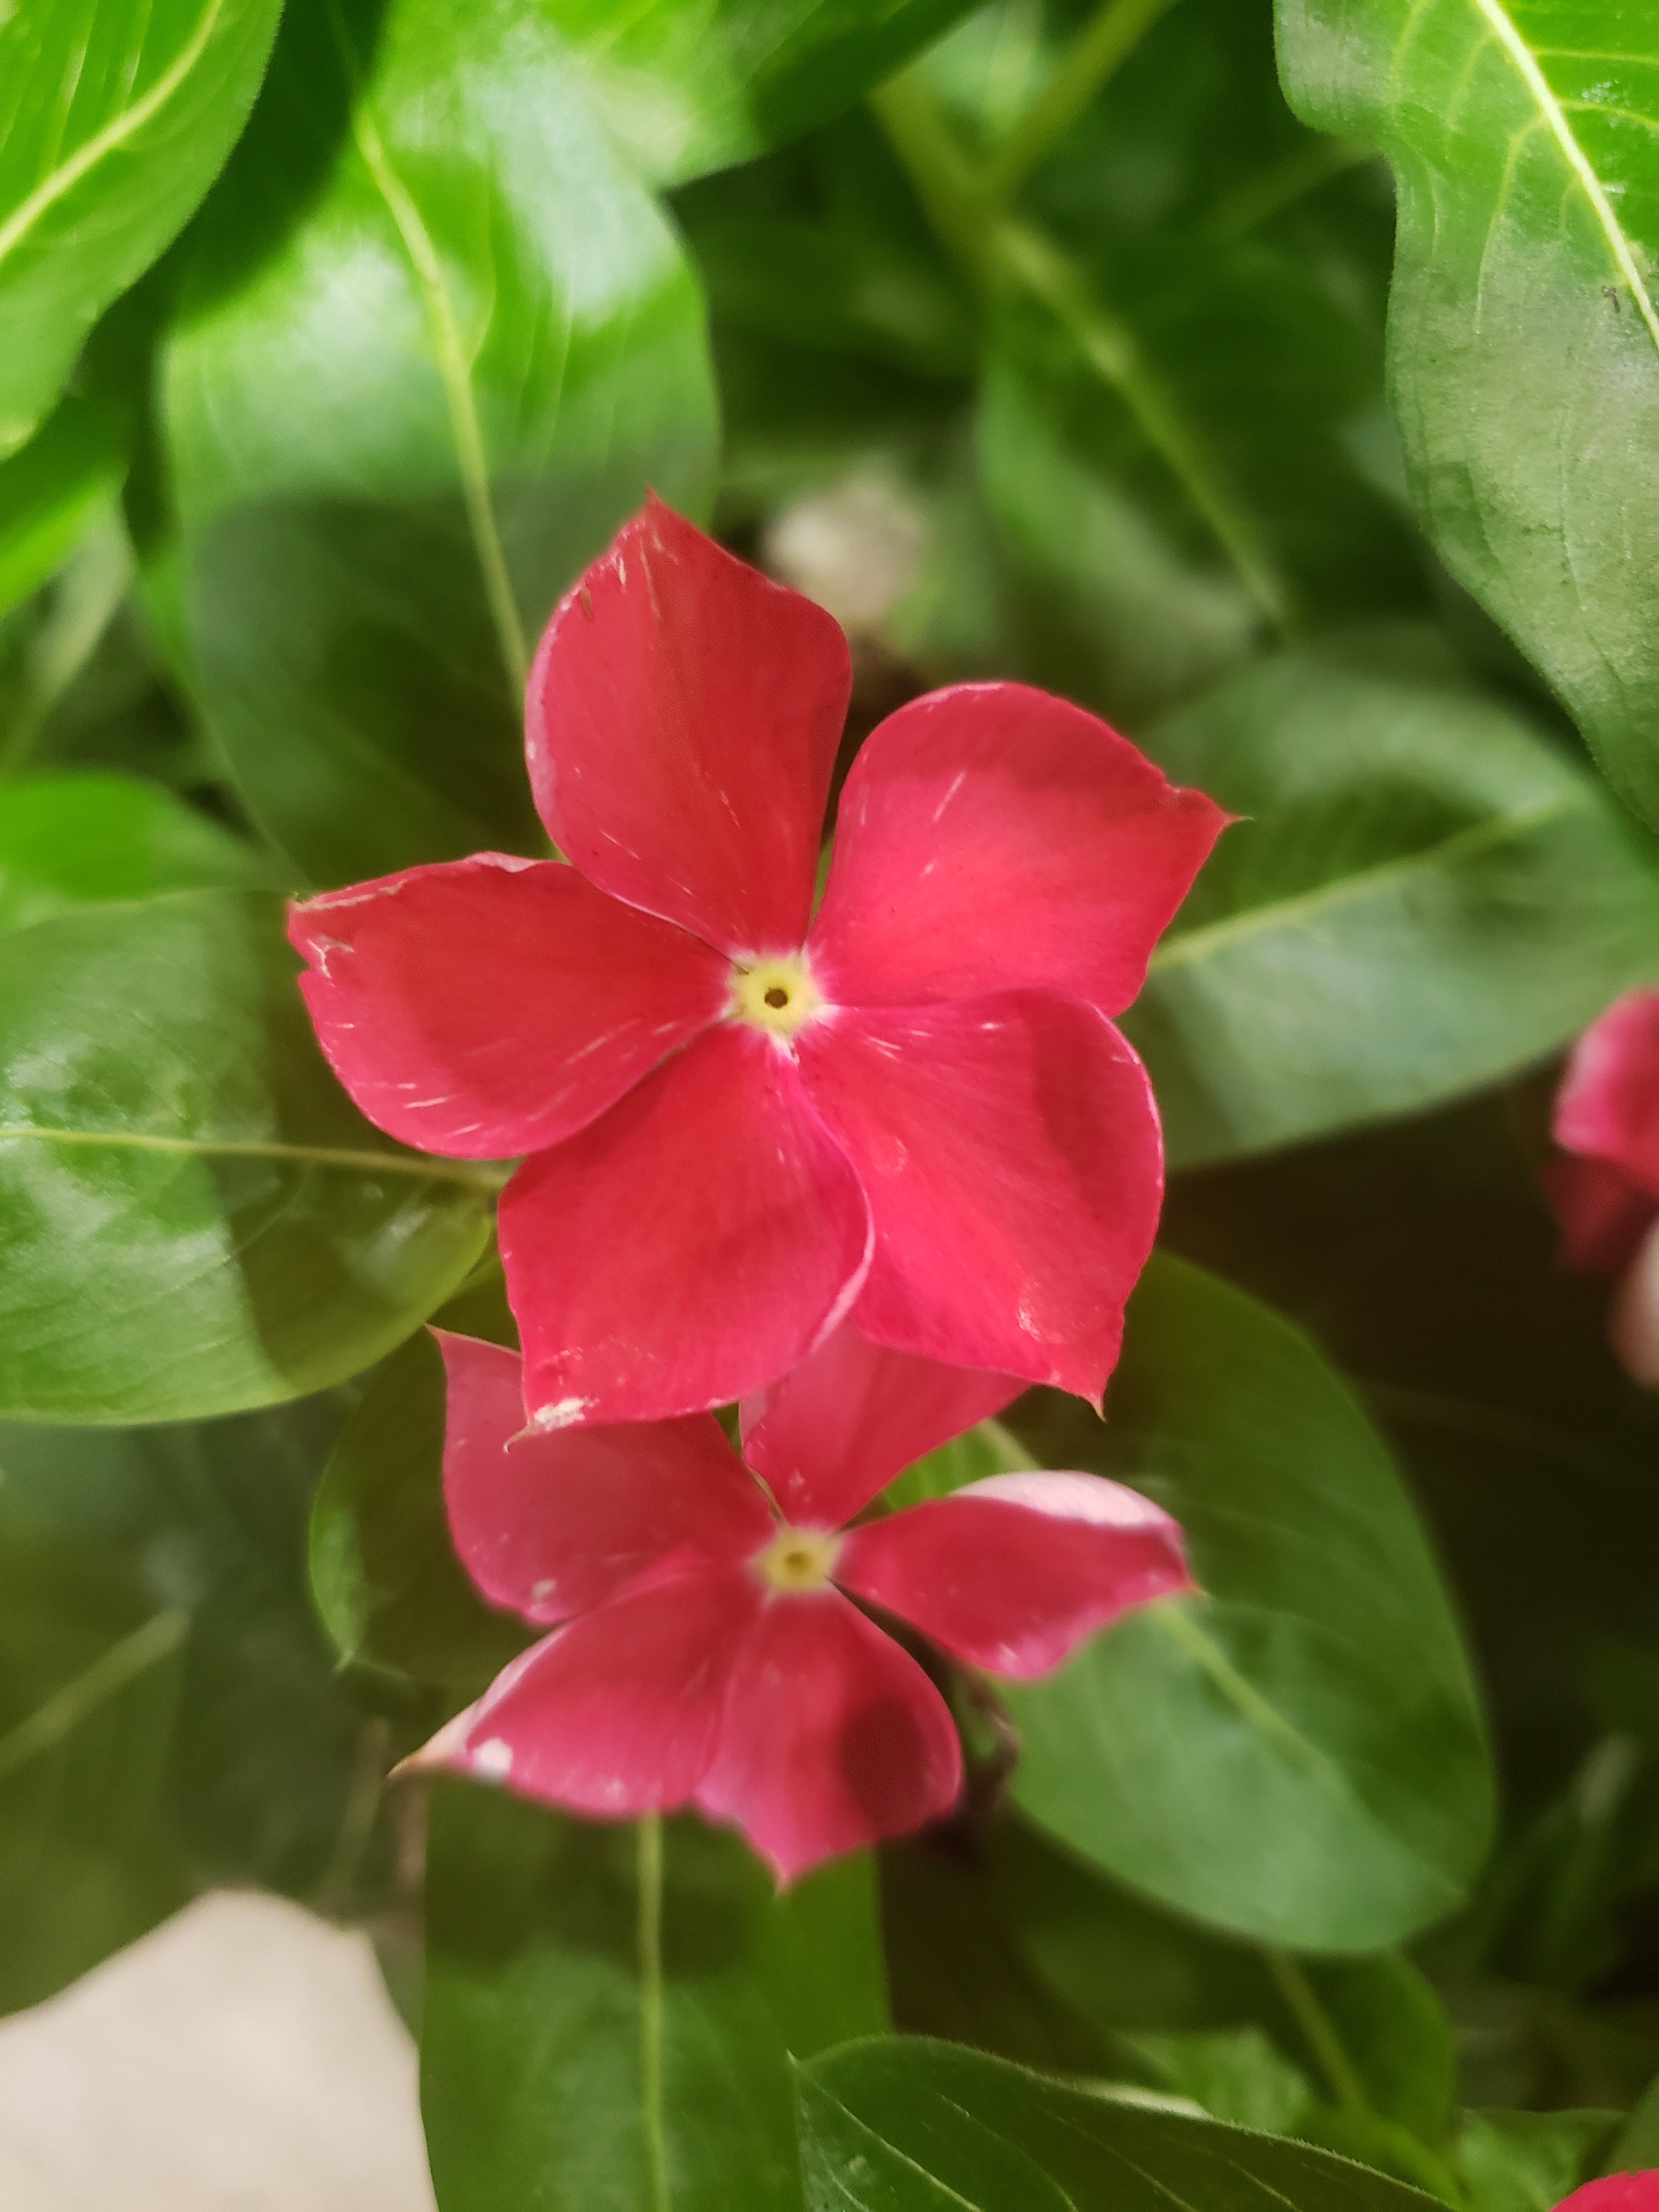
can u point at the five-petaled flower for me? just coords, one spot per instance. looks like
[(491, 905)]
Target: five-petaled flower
[(704, 1649), (1605, 1188), (742, 1122)]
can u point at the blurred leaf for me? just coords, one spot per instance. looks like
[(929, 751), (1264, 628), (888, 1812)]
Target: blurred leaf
[(1331, 1790), (273, 1771), (1424, 896), (434, 341), (89, 1676), (196, 1218), (1528, 2162), (113, 120), (688, 87), (387, 1583), (563, 2062), (48, 644), (50, 490), (68, 840), (1235, 2074), (1524, 336), (957, 1970), (1637, 2145), (914, 2126)]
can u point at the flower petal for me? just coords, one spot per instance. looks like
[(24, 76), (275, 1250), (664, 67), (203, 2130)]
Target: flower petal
[(1011, 1573), (992, 838), (1607, 1107), (1009, 1150), (1618, 2192), (1603, 1215), (491, 1007), (688, 1246), (621, 1711), (558, 1523), (832, 1737), (853, 1415), (682, 721)]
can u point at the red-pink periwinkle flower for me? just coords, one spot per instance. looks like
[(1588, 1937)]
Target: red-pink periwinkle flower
[(740, 1120), (705, 1646), (1606, 1190), (1618, 2192)]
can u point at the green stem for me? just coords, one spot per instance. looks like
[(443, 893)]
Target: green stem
[(650, 1946), (1087, 66), (1315, 2024)]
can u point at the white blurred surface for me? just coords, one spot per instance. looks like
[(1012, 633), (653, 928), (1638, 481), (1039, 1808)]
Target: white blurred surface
[(243, 2058)]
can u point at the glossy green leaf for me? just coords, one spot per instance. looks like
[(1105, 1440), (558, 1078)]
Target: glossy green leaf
[(579, 2049), (1366, 2032), (113, 121), (66, 841), (195, 1218), (1297, 1755), (914, 2126), (1424, 896), (89, 1676), (273, 1769), (435, 340), (1524, 331), (388, 1585), (51, 489), (688, 87)]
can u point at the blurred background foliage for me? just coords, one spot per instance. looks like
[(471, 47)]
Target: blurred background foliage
[(335, 348)]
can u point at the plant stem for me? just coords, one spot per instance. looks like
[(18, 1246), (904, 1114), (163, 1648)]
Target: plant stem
[(951, 193), (650, 1947), (1087, 66), (1315, 2024)]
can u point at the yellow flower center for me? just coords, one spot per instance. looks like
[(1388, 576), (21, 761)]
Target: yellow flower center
[(776, 995), (797, 1559)]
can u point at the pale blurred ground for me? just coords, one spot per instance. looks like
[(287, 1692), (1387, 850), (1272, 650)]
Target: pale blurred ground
[(242, 2059)]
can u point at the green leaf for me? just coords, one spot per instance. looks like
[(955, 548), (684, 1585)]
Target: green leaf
[(1528, 2162), (1296, 1756), (609, 2010), (435, 340), (89, 1676), (387, 1583), (51, 489), (273, 1769), (72, 840), (1423, 897), (688, 88), (195, 1218), (915, 2126), (1367, 2031), (113, 121), (1524, 332)]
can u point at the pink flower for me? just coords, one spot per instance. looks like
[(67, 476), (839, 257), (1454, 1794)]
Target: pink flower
[(741, 1121), (709, 1652), (1619, 2192), (1606, 1192)]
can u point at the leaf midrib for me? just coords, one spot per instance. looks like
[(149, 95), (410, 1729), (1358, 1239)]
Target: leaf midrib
[(109, 1673), (115, 133), (423, 1168), (1210, 936), (1177, 1622), (1525, 62)]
